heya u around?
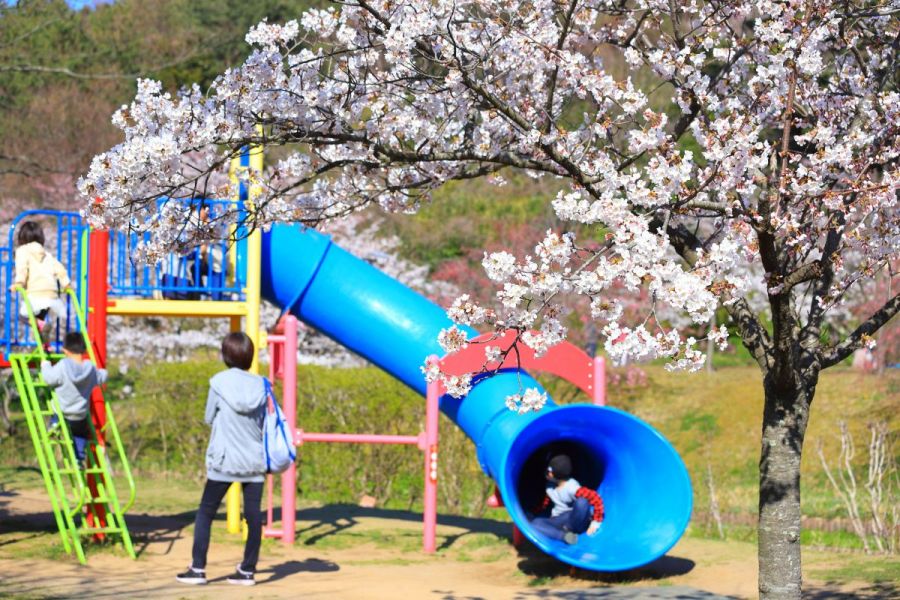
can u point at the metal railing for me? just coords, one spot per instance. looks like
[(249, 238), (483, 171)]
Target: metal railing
[(68, 245), (211, 270)]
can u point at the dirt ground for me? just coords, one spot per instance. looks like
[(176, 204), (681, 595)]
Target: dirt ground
[(347, 552)]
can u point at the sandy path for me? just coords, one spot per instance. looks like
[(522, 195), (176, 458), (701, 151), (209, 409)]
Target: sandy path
[(364, 570)]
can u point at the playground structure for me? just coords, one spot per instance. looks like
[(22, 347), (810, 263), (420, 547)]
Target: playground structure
[(106, 282), (83, 497), (643, 482), (395, 328), (564, 360), (96, 492)]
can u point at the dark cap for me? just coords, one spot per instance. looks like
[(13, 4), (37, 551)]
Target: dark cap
[(561, 465)]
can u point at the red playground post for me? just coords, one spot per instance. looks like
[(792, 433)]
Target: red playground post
[(96, 322), (283, 365)]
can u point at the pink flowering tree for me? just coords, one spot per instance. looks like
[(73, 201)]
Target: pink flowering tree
[(771, 163)]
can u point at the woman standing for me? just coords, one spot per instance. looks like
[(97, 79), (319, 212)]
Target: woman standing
[(235, 409)]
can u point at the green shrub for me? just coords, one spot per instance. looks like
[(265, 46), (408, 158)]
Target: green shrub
[(162, 421), (162, 426)]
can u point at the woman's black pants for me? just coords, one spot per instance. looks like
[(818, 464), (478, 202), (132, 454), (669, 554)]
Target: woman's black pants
[(209, 505)]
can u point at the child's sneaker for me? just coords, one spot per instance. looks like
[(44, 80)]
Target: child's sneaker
[(570, 538), (241, 577), (192, 577)]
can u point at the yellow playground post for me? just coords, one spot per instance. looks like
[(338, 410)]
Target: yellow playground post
[(252, 299)]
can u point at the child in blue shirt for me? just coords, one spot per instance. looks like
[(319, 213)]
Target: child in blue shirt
[(73, 379), (575, 509)]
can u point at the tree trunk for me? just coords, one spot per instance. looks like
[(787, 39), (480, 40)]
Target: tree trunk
[(784, 427)]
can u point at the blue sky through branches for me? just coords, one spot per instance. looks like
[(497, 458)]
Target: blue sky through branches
[(76, 4)]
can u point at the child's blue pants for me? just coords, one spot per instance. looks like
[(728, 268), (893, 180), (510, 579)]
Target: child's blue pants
[(575, 520), (79, 431)]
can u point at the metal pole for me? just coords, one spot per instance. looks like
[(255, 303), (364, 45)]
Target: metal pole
[(289, 477), (250, 159), (432, 395), (599, 381)]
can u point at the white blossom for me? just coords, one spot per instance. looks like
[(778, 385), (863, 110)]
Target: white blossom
[(452, 339), (530, 401)]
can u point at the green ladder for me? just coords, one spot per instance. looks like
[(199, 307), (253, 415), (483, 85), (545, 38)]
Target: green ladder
[(84, 499)]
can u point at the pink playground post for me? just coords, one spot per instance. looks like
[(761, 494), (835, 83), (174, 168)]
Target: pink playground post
[(283, 364), (433, 394)]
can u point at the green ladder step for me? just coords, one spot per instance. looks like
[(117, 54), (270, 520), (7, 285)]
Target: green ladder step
[(88, 471), (97, 500), (95, 530)]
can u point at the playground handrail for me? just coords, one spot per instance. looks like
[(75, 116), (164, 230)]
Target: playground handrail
[(83, 283), (130, 280), (32, 322)]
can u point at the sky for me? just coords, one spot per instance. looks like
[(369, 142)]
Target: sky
[(83, 3), (74, 3)]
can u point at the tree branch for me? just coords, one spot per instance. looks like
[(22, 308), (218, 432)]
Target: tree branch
[(801, 274), (77, 75), (786, 137), (23, 166), (551, 92), (835, 354)]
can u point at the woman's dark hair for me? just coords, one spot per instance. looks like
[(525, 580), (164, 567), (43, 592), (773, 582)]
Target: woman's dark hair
[(237, 350), (30, 231), (74, 342)]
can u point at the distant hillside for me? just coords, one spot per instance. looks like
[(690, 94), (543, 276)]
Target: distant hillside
[(63, 72)]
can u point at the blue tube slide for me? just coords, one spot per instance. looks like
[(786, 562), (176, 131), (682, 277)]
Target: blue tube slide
[(642, 480)]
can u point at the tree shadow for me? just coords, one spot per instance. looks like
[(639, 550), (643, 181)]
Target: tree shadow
[(333, 519), (157, 530), (339, 517), (832, 591), (603, 593), (17, 522), (625, 593)]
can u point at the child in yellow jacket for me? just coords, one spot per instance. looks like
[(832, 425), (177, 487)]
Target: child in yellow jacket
[(42, 276)]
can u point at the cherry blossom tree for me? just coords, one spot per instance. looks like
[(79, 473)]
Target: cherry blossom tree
[(772, 163)]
